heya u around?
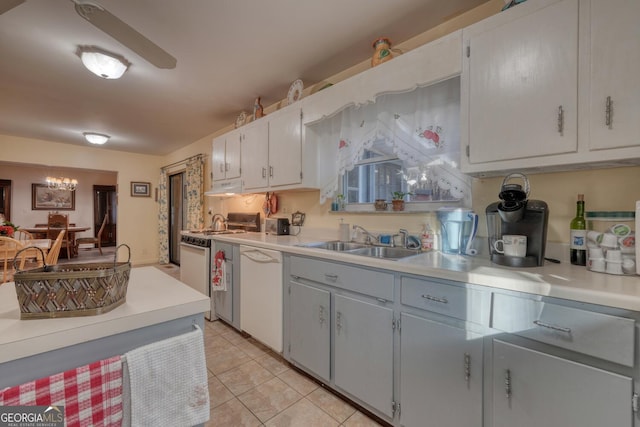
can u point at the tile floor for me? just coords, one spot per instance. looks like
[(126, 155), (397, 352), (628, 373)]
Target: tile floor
[(250, 385)]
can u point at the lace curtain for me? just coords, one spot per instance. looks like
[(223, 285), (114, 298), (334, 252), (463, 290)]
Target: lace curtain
[(421, 127), (194, 180)]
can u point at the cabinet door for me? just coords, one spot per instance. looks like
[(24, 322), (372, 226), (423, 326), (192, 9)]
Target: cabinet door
[(232, 155), (615, 74), (285, 148), (363, 351), (254, 155), (310, 344), (522, 84), (218, 158), (533, 389), (440, 374)]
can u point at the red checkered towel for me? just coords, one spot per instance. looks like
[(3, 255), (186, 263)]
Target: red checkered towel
[(91, 394), (219, 273)]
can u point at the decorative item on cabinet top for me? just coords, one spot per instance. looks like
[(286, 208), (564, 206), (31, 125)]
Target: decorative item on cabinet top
[(295, 92), (258, 111), (241, 119)]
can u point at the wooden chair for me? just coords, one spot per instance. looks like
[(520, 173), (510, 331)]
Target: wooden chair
[(54, 252), (94, 240), (22, 235), (9, 247), (57, 223)]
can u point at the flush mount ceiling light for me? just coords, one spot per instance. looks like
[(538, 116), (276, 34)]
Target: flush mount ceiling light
[(96, 138), (102, 63)]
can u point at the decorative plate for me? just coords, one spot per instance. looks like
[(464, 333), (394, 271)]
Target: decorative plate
[(295, 91), (241, 119)]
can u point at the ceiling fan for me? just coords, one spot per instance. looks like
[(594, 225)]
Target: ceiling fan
[(101, 18)]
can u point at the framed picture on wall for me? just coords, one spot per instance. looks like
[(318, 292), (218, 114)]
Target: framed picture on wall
[(44, 198), (140, 189)]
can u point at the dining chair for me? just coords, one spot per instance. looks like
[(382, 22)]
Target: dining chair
[(94, 240), (55, 224), (9, 247), (54, 252), (22, 235)]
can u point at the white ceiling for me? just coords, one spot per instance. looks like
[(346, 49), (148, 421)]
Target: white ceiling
[(228, 52)]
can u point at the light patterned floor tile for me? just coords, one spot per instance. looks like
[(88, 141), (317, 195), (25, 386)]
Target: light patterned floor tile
[(234, 337), (215, 344), (298, 382), (302, 413), (232, 414), (227, 359), (218, 393), (244, 377), (360, 420), (331, 404), (268, 399), (275, 364), (252, 349)]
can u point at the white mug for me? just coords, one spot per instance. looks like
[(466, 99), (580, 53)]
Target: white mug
[(512, 245)]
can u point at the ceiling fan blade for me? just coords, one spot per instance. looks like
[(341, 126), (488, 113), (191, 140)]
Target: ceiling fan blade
[(116, 28), (6, 5)]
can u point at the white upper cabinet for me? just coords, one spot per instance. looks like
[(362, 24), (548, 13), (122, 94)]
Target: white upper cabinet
[(552, 85), (255, 155), (520, 85), (614, 64), (272, 151), (225, 158)]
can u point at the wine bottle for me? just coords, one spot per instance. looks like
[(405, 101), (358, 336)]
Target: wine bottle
[(578, 233)]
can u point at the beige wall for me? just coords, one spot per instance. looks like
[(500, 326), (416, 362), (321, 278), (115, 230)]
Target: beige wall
[(137, 216)]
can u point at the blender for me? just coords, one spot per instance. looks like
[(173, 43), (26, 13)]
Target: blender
[(458, 228)]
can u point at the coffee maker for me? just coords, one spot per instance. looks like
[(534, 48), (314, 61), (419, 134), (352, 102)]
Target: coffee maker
[(515, 214)]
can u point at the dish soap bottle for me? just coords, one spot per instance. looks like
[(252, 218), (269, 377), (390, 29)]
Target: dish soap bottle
[(426, 239), (578, 235)]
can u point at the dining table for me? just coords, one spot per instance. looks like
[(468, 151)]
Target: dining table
[(40, 231)]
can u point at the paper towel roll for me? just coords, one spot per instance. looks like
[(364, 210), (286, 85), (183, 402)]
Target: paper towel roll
[(345, 234)]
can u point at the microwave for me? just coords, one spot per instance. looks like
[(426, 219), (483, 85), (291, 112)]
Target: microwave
[(279, 226)]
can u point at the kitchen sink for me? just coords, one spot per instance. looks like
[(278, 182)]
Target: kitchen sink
[(337, 246), (384, 252)]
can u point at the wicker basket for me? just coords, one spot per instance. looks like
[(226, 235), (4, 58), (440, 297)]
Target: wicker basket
[(69, 290)]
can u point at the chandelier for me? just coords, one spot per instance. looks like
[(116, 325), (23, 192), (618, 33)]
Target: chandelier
[(61, 183)]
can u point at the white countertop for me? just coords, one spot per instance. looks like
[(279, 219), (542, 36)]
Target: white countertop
[(557, 280), (152, 297)]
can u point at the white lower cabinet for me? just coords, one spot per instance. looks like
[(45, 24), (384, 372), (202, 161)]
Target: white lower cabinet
[(363, 351), (534, 389), (310, 333), (440, 374)]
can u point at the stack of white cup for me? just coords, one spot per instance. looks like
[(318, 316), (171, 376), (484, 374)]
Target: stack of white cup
[(613, 251)]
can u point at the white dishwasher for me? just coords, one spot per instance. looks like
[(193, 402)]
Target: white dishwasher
[(261, 295)]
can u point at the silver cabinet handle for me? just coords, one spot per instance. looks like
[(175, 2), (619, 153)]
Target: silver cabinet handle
[(226, 166), (321, 315), (270, 171), (467, 367), (507, 383), (560, 120), (608, 113), (338, 322), (436, 299), (331, 277), (264, 172), (221, 167), (552, 327)]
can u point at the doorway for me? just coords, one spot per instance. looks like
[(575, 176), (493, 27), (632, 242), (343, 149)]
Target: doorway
[(105, 203), (5, 198), (177, 214)]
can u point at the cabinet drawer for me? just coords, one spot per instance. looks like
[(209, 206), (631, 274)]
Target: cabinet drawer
[(595, 334), (455, 301), (368, 282)]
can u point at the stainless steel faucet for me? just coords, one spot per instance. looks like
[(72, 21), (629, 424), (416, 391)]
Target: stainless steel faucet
[(370, 236), (405, 237)]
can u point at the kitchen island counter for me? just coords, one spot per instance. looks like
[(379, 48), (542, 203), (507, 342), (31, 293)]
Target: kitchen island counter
[(555, 280), (153, 298)]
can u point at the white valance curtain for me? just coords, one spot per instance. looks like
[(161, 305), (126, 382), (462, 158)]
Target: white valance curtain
[(421, 127)]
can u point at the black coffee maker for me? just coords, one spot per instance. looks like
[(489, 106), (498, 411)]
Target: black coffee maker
[(515, 214)]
